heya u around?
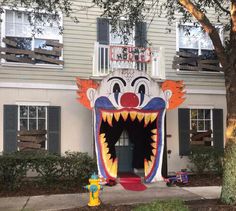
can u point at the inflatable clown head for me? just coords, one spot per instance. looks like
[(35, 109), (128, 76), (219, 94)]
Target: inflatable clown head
[(132, 101)]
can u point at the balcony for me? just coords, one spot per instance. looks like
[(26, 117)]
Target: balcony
[(107, 58)]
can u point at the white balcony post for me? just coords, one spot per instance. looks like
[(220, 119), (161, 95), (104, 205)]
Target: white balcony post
[(155, 62), (162, 63), (108, 60), (158, 63), (95, 59)]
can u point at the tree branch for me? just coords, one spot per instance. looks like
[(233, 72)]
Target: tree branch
[(222, 8), (209, 28), (233, 15), (233, 33)]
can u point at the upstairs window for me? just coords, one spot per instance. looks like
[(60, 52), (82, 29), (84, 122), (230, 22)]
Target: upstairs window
[(196, 48), (193, 39), (19, 44), (107, 36), (121, 36), (121, 49)]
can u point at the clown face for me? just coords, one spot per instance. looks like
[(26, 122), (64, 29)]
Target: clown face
[(130, 100)]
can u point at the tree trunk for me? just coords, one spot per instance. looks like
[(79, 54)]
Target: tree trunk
[(228, 193), (228, 61)]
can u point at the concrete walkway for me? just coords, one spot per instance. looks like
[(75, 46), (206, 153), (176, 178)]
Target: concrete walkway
[(110, 195)]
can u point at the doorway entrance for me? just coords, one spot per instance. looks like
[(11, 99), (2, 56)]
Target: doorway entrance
[(124, 152)]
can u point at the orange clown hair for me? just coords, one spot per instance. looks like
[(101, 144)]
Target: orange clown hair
[(84, 85), (176, 87)]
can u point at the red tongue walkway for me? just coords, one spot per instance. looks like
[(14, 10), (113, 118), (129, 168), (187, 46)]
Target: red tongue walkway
[(131, 181)]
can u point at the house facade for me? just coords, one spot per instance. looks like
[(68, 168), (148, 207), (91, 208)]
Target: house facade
[(38, 82)]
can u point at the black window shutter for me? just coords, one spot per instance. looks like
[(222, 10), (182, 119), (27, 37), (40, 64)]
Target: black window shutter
[(103, 31), (184, 131), (10, 128), (141, 34), (218, 129), (54, 129)]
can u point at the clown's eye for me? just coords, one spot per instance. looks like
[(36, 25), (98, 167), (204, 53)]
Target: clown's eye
[(116, 88), (116, 91), (141, 89)]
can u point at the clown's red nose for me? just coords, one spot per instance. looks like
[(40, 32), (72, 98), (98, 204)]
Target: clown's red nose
[(129, 99)]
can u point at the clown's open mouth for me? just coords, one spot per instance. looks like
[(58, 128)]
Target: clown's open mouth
[(131, 101), (143, 129)]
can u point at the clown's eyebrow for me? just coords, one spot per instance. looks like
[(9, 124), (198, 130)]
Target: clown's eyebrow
[(122, 80), (132, 84)]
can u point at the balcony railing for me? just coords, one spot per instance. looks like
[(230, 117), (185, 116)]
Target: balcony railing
[(108, 58)]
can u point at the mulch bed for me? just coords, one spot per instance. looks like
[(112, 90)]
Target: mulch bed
[(202, 180), (209, 205), (103, 207), (34, 189)]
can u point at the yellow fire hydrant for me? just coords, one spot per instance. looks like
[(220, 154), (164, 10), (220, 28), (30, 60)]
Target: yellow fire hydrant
[(94, 187)]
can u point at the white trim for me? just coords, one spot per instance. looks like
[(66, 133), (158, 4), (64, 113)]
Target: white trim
[(206, 91), (26, 65), (74, 87), (21, 9), (177, 36), (207, 73), (200, 106), (32, 103), (37, 86)]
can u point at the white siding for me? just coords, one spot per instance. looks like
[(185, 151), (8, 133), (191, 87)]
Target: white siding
[(78, 40)]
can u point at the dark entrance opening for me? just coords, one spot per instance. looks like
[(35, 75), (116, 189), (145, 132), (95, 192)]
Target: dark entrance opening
[(124, 153), (138, 141)]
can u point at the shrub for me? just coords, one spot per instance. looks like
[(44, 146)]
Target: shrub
[(78, 167), (72, 169), (13, 168), (168, 205), (206, 159), (47, 167)]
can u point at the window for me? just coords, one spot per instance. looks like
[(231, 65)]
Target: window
[(201, 127), (121, 36), (112, 52), (33, 118), (194, 46), (22, 47), (194, 39), (124, 139)]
